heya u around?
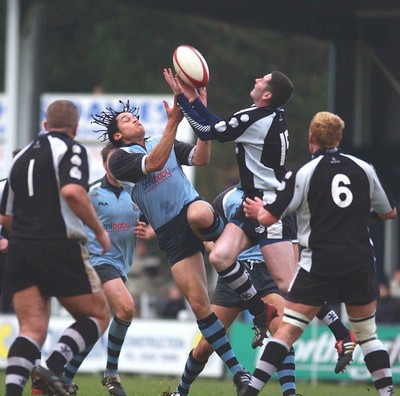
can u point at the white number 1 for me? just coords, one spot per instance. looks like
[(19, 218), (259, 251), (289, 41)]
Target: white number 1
[(30, 177)]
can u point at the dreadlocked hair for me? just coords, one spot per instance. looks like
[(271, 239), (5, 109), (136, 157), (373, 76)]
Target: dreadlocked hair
[(108, 120)]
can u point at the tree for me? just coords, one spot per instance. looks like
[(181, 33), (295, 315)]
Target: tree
[(122, 48)]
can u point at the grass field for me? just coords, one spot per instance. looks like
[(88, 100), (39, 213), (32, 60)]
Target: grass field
[(89, 385)]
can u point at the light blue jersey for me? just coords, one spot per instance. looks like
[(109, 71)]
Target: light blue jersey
[(118, 215), (160, 195)]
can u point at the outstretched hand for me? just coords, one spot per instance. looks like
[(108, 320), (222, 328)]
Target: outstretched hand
[(173, 81), (174, 113), (178, 86), (251, 207)]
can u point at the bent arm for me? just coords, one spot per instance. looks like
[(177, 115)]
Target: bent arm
[(388, 215), (254, 208), (159, 155), (78, 200), (199, 117)]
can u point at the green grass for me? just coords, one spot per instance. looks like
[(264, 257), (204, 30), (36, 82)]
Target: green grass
[(135, 385)]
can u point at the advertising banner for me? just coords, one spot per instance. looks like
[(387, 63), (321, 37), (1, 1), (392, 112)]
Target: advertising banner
[(151, 346)]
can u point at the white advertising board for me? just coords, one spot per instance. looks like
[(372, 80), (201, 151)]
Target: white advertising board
[(158, 347)]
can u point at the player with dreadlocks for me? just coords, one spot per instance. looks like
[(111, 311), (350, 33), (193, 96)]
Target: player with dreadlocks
[(150, 169)]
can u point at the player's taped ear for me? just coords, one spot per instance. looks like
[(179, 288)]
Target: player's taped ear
[(365, 331), (295, 318), (212, 232)]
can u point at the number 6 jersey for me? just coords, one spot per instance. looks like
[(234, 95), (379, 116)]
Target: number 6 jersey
[(332, 195)]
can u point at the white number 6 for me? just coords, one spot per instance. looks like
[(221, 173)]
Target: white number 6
[(341, 195)]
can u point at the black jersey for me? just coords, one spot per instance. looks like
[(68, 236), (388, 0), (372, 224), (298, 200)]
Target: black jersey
[(332, 195), (261, 138), (37, 174)]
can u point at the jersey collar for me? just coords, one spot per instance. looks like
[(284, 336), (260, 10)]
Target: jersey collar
[(334, 150)]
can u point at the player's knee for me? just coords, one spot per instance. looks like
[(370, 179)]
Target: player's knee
[(219, 258), (125, 311), (200, 306), (205, 223), (365, 331), (214, 230), (282, 284), (295, 318)]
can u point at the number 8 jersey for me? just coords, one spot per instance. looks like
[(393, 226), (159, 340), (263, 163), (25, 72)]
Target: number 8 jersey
[(332, 195)]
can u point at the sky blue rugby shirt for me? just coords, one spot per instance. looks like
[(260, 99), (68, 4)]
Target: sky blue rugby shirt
[(160, 195), (118, 214)]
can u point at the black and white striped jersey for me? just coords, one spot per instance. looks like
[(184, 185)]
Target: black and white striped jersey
[(38, 173), (261, 138), (332, 195)]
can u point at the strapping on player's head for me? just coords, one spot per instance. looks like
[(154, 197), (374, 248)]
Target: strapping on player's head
[(108, 120)]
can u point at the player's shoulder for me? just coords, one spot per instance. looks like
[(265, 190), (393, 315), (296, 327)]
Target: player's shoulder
[(358, 161), (95, 188), (256, 111), (308, 166)]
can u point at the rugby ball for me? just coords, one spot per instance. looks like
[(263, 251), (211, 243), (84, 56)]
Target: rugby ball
[(190, 66)]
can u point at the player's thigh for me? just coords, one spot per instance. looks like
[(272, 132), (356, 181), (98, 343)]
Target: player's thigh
[(228, 246), (190, 277), (279, 259), (361, 311)]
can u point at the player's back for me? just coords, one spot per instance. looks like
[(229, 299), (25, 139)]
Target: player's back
[(339, 204), (37, 208)]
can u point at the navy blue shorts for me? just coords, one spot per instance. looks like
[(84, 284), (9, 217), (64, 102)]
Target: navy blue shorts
[(177, 240), (355, 288), (108, 272), (262, 281), (282, 230)]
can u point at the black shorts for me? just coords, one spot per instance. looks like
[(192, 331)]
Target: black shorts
[(355, 288), (177, 240), (262, 281), (282, 230), (59, 267), (108, 272)]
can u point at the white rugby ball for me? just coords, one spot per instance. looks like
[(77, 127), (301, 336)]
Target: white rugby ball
[(190, 66)]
